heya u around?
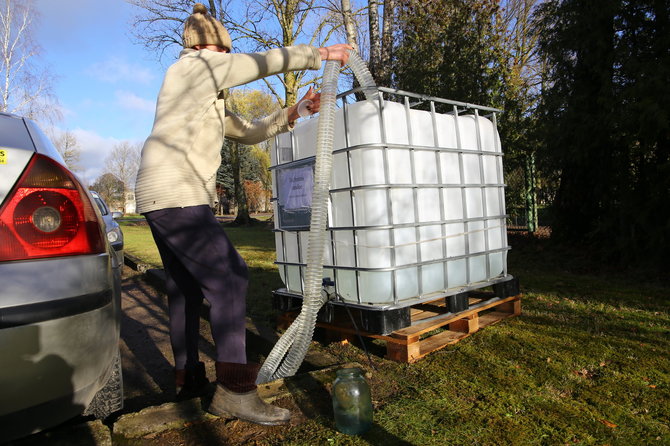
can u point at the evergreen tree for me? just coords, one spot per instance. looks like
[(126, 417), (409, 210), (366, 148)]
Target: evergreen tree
[(642, 75), (477, 51), (448, 48), (474, 51), (578, 109), (605, 124)]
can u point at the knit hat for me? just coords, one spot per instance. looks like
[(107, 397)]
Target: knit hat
[(203, 29)]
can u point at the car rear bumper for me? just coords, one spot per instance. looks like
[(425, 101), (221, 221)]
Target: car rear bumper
[(34, 313), (54, 368), (59, 332), (42, 416)]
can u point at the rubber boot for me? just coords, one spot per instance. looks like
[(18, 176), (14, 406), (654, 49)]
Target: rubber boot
[(236, 394), (191, 381)]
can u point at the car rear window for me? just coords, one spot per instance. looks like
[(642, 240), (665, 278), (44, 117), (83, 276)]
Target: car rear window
[(14, 134)]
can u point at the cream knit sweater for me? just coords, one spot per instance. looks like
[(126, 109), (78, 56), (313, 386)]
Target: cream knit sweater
[(181, 156)]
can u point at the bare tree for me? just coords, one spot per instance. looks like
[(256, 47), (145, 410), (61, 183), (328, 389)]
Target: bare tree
[(386, 55), (375, 37), (160, 24), (520, 42), (260, 26), (26, 88), (279, 23), (68, 146), (123, 162), (379, 39), (350, 25), (381, 42)]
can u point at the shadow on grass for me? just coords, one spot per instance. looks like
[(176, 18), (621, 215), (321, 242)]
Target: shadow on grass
[(379, 435), (259, 296)]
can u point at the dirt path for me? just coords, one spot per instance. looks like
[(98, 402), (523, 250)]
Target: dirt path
[(145, 344), (148, 370)]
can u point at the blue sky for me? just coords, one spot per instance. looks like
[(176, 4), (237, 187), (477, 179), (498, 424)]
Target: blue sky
[(106, 83)]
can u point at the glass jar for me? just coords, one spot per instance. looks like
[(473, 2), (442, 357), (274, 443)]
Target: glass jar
[(352, 402)]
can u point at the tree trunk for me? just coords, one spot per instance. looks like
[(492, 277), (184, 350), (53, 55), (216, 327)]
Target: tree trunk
[(212, 9), (291, 81), (384, 77), (240, 195), (350, 29), (375, 41), (349, 25), (287, 18)]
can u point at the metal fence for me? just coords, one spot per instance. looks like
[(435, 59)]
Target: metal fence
[(528, 198)]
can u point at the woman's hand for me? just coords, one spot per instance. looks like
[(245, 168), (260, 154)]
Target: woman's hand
[(338, 51), (314, 98), (313, 107)]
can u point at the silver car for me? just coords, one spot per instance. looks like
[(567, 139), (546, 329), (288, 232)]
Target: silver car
[(60, 290), (112, 228)]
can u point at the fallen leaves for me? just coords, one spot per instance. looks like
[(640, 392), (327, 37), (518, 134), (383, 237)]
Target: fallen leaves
[(651, 386), (608, 423), (592, 372), (584, 373)]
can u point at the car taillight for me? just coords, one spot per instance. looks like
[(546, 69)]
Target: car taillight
[(48, 214)]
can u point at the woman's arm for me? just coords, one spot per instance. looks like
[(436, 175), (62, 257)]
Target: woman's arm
[(230, 70), (259, 130), (256, 131)]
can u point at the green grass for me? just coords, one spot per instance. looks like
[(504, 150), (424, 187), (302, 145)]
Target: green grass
[(137, 241), (255, 244), (586, 363)]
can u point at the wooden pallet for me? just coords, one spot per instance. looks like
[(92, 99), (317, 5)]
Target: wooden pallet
[(416, 341)]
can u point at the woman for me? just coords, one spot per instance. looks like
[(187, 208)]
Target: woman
[(175, 191)]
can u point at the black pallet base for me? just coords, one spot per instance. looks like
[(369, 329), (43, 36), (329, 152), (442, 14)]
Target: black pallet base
[(384, 322)]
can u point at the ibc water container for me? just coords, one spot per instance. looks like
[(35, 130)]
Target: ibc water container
[(417, 205)]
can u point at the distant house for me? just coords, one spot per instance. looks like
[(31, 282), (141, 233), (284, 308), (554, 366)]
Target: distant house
[(129, 202)]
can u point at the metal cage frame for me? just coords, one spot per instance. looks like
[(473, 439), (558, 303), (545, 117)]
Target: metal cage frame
[(428, 103)]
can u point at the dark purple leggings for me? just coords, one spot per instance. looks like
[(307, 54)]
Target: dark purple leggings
[(201, 262)]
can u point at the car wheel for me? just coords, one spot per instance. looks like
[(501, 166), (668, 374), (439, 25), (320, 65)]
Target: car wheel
[(109, 399)]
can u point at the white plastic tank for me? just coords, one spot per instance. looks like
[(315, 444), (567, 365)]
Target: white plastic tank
[(417, 207)]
